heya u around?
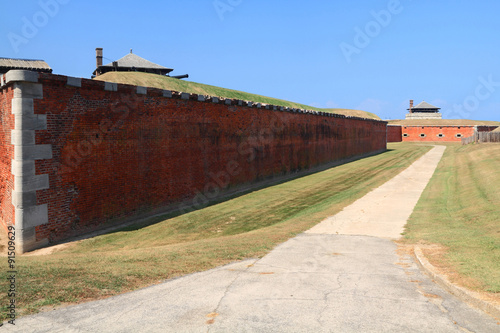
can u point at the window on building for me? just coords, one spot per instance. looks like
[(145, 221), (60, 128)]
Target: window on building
[(441, 135), (422, 135), (458, 135), (405, 135)]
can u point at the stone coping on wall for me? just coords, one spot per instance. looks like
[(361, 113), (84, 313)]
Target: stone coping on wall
[(15, 75)]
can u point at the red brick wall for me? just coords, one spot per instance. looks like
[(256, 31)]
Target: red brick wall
[(118, 153), (432, 133), (394, 133), (6, 156)]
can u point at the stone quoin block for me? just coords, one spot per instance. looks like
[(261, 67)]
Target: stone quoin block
[(27, 213), (21, 76), (23, 137), (28, 90)]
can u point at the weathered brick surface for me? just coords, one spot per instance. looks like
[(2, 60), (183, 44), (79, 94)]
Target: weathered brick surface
[(6, 156), (394, 133), (118, 153), (486, 128), (432, 133)]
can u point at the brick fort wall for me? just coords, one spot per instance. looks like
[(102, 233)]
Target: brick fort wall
[(436, 133), (121, 150), (394, 133)]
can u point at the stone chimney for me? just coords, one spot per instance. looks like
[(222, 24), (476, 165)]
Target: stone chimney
[(411, 105), (98, 56)]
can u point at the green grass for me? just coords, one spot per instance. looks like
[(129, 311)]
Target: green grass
[(164, 82), (243, 227), (460, 210)]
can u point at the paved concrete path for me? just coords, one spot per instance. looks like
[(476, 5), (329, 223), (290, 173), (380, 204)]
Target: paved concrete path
[(325, 280), (384, 211)]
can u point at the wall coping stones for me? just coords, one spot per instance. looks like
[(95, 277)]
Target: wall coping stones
[(74, 81), (110, 86), (142, 90), (18, 75), (29, 76)]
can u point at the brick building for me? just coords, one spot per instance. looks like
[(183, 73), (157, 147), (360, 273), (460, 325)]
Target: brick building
[(131, 63), (423, 110)]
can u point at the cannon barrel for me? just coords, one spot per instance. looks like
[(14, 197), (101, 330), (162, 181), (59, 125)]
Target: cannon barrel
[(185, 76)]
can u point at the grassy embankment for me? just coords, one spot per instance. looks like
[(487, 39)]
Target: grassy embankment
[(165, 82), (246, 226), (460, 211)]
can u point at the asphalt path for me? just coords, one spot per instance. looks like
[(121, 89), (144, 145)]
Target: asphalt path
[(344, 275)]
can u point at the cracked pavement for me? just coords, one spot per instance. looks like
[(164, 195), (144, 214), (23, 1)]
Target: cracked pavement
[(332, 278)]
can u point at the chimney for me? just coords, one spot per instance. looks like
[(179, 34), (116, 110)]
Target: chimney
[(98, 56), (411, 105)]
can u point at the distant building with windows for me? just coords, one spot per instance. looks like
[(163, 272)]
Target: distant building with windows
[(424, 123), (131, 63), (423, 110)]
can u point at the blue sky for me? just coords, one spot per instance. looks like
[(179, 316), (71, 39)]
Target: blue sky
[(370, 55)]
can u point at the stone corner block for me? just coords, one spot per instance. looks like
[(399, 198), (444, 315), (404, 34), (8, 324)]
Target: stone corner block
[(33, 216), (27, 241), (23, 89), (33, 152), (19, 75), (31, 183), (142, 90), (22, 137)]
